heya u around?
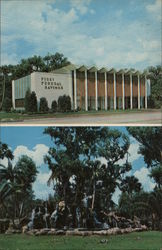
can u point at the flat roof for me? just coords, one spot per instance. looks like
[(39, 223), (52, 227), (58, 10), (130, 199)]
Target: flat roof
[(94, 68)]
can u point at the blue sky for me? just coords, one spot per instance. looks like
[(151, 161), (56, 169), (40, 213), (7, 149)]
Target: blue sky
[(112, 33), (32, 142)]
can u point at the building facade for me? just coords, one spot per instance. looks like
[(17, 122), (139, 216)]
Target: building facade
[(89, 88)]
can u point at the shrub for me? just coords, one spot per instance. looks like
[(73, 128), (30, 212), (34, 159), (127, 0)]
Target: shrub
[(54, 106), (27, 101), (33, 102), (43, 107), (30, 101), (64, 103), (7, 104)]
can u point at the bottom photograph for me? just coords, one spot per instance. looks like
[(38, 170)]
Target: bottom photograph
[(80, 188)]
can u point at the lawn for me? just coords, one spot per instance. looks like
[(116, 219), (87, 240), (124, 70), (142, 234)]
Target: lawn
[(134, 241), (19, 117)]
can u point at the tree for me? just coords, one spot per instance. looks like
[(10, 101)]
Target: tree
[(156, 86), (27, 103), (5, 151), (54, 106), (43, 106), (30, 101), (76, 169), (16, 186), (130, 185), (150, 143), (156, 174), (64, 103), (33, 101), (7, 104)]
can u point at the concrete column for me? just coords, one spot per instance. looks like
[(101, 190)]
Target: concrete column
[(86, 91), (13, 94), (75, 90), (131, 92), (114, 91), (123, 90), (96, 90), (105, 91), (139, 92), (145, 92)]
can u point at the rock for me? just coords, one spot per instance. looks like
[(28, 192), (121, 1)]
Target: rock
[(104, 241), (144, 227), (24, 229), (32, 232), (60, 232), (52, 232), (13, 231)]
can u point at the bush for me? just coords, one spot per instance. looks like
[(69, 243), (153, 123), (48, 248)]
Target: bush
[(64, 103), (7, 104), (30, 101), (54, 106), (27, 101), (43, 107), (33, 104)]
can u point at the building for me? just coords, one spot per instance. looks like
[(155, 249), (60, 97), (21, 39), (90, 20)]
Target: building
[(90, 88)]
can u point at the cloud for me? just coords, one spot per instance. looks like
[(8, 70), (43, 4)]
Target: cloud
[(143, 177), (116, 195), (37, 153), (40, 26), (81, 5), (40, 187), (155, 8)]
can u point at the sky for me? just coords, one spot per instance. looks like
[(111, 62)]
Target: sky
[(32, 142), (111, 33)]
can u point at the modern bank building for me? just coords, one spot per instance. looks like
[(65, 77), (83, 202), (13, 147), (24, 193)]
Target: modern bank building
[(90, 88)]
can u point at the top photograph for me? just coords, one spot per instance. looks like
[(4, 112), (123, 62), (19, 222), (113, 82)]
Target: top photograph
[(72, 62)]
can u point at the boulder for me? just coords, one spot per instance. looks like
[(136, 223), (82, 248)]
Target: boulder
[(60, 232)]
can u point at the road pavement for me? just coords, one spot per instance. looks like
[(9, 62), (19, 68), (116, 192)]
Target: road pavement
[(132, 118)]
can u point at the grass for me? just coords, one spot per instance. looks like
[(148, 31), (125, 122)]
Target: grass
[(134, 241), (19, 117)]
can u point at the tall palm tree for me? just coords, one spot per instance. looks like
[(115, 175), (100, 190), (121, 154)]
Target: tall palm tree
[(130, 185)]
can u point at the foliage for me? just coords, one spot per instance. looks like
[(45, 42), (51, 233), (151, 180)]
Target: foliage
[(64, 103), (43, 105), (33, 99), (156, 174), (54, 106), (5, 151), (16, 187), (30, 101), (7, 104), (150, 139), (130, 185), (155, 100), (76, 170)]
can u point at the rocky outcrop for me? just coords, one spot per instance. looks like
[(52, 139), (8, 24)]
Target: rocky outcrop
[(78, 232)]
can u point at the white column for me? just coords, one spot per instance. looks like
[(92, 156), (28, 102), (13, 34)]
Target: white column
[(114, 91), (96, 90), (86, 92), (105, 91), (123, 90), (75, 90), (139, 92), (145, 92), (131, 92), (13, 94)]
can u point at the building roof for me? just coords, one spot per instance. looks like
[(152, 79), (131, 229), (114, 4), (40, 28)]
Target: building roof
[(93, 68)]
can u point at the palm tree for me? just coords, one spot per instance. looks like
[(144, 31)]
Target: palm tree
[(130, 185)]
